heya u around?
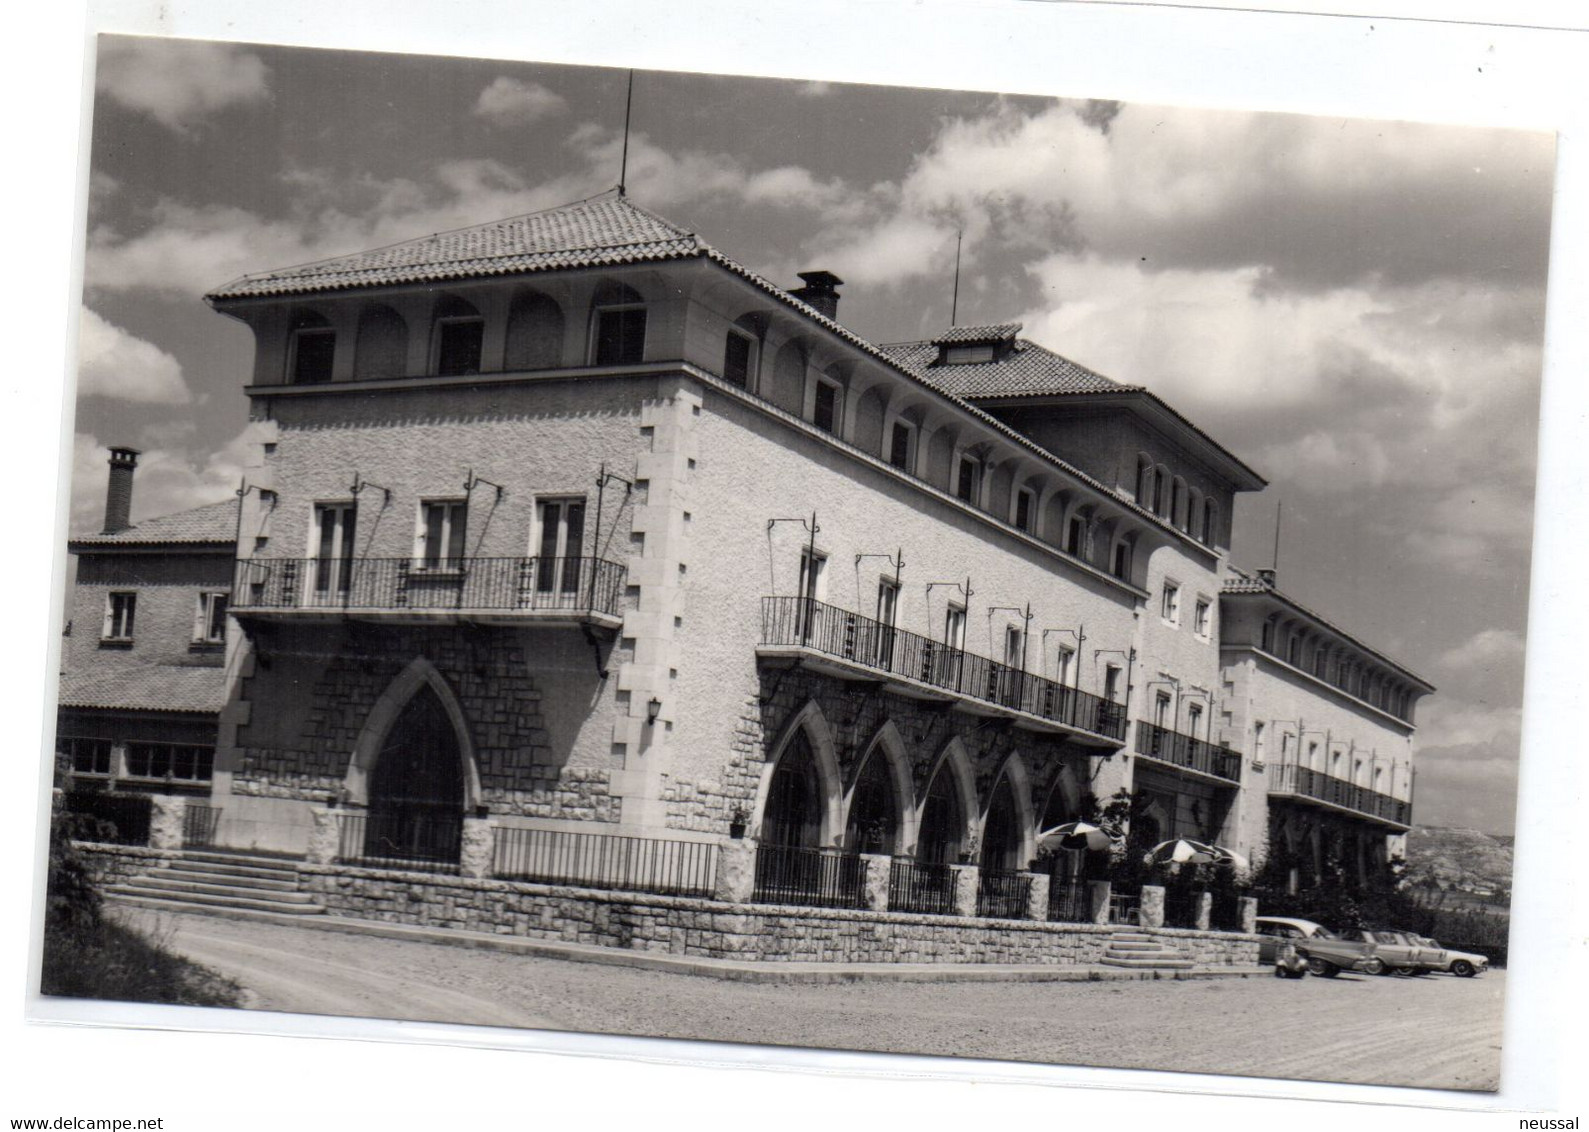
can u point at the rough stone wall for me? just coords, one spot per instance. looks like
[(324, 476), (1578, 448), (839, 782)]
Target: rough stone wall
[(682, 926), (112, 864)]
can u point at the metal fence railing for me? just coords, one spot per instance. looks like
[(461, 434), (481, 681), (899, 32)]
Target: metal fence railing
[(119, 819), (1069, 901), (599, 860), (1184, 750), (465, 584), (199, 822), (838, 632), (1288, 778), (414, 841), (1124, 907), (920, 886), (810, 877), (1003, 895)]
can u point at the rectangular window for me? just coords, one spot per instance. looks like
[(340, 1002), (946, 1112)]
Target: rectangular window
[(119, 611), (170, 761), (442, 525), (1025, 504), (954, 627), (887, 601), (620, 336), (1194, 719), (333, 551), (558, 558), (1075, 535), (458, 342), (966, 480), (312, 353), (1062, 667), (899, 446), (1313, 755), (1121, 566), (813, 574), (1111, 683), (1161, 710), (1014, 647), (1258, 742), (87, 756), (737, 351), (1170, 603), (1201, 617), (967, 355), (825, 407), (209, 619)]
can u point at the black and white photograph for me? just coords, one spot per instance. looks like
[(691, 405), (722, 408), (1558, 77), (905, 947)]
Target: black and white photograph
[(955, 572)]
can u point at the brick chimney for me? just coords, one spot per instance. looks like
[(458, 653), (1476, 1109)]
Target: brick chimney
[(118, 491), (821, 292)]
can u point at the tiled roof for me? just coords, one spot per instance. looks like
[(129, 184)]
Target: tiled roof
[(996, 333), (1029, 370), (213, 522), (152, 687), (598, 232)]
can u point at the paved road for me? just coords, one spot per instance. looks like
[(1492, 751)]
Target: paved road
[(1434, 1032)]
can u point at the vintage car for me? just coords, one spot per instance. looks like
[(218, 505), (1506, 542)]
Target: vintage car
[(1403, 953), (1278, 946), (1463, 964), (1324, 952)]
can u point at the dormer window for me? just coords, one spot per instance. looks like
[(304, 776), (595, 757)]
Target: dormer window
[(976, 345)]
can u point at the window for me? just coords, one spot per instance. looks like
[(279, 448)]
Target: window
[(1076, 536), (1121, 567), (813, 574), (119, 611), (967, 355), (1257, 742), (1210, 520), (1285, 745), (954, 627), (887, 601), (87, 756), (312, 351), (1170, 603), (209, 619), (1014, 647), (458, 340), (620, 335), (1062, 665), (1201, 617), (440, 541), (1294, 651), (558, 561), (1025, 505), (1144, 482), (1194, 719), (738, 350), (1111, 683), (170, 761), (1161, 710), (333, 538), (825, 406), (967, 479), (899, 445)]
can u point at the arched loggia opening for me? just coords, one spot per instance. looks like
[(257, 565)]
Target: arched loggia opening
[(792, 818), (791, 866), (1066, 868), (873, 823), (1002, 888), (416, 788)]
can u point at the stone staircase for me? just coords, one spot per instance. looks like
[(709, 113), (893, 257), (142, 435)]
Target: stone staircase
[(1142, 951), (216, 882)]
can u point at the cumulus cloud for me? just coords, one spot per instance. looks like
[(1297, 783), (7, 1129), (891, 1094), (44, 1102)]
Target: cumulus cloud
[(512, 102), (113, 363), (178, 83)]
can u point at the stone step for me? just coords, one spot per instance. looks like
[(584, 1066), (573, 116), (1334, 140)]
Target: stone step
[(275, 914), (190, 901), (1156, 964), (284, 883), (1133, 937), (234, 867), (171, 884), (1137, 945)]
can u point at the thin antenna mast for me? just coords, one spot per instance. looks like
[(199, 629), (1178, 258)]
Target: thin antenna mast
[(628, 101), (954, 303)]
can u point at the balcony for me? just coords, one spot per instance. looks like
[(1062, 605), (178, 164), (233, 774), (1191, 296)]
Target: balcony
[(1309, 785), (856, 647), (1187, 753), (397, 590)]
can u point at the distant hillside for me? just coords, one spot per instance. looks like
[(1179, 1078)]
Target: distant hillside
[(1461, 862)]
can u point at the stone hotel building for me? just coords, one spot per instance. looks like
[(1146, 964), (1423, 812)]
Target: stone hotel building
[(578, 554)]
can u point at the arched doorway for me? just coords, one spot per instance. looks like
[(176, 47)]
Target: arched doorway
[(416, 791), (873, 825)]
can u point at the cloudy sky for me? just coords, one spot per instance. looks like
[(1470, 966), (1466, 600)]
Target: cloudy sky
[(1353, 306)]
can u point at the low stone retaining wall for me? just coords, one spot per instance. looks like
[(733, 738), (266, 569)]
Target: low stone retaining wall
[(112, 864), (712, 929)]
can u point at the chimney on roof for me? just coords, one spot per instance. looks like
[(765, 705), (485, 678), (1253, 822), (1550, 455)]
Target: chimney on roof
[(1267, 577), (118, 491), (821, 292)]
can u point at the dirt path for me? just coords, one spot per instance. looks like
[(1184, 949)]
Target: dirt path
[(1434, 1032)]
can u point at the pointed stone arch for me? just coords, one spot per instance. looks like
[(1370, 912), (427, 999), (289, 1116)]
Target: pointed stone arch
[(1065, 791), (420, 673), (810, 721), (889, 745), (1014, 770), (953, 760)]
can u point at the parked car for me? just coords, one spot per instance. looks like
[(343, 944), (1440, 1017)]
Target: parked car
[(1326, 953), (1279, 947), (1463, 964), (1402, 953)]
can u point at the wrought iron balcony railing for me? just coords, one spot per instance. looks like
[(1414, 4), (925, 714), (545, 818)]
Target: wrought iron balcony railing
[(1183, 750), (488, 585), (839, 633), (1308, 783)]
